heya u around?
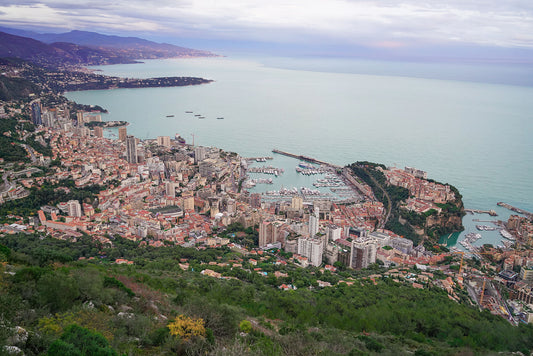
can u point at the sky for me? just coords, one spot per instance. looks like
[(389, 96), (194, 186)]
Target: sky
[(395, 25)]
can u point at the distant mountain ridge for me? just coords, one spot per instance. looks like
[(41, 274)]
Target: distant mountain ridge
[(85, 48), (97, 40)]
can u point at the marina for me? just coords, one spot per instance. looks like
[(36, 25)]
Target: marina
[(303, 191), (258, 159), (324, 183), (468, 241), (311, 171), (266, 170), (250, 183)]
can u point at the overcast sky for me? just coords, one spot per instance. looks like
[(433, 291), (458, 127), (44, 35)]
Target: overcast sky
[(379, 24)]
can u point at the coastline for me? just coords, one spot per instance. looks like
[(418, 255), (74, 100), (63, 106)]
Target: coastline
[(471, 174)]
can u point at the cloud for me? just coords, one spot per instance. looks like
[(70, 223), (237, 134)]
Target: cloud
[(379, 23)]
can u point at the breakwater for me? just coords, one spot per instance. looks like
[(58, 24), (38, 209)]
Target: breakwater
[(515, 209), (306, 158)]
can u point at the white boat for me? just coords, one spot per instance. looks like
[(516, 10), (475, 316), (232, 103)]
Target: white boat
[(506, 234)]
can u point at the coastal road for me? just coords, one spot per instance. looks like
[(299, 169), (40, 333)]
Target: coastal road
[(31, 151), (7, 184)]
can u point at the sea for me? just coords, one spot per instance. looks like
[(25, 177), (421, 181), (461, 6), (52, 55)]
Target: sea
[(467, 124)]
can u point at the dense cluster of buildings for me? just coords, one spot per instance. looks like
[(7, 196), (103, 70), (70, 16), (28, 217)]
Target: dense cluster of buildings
[(424, 194), (165, 190)]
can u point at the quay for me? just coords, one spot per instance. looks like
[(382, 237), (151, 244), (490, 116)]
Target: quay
[(477, 211), (515, 209), (306, 158)]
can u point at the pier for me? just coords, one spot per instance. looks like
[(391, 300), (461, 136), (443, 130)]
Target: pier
[(478, 211), (515, 209)]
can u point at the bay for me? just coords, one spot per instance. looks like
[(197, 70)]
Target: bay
[(474, 135)]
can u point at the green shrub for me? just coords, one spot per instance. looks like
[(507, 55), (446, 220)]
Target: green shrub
[(245, 326)]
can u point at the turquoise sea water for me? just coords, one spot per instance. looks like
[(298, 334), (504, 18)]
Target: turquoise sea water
[(474, 135)]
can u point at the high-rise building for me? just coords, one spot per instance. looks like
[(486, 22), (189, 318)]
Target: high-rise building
[(79, 118), (170, 189), (163, 141), (231, 206), (255, 200), (199, 154), (297, 203), (36, 113), (74, 208), (131, 149), (363, 253), (98, 131), (312, 249), (91, 117), (334, 232), (313, 222), (122, 133), (265, 233), (188, 203), (48, 119)]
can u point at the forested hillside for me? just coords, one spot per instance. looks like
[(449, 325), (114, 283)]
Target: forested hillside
[(154, 307)]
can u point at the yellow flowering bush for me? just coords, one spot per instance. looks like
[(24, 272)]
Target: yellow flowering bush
[(185, 327)]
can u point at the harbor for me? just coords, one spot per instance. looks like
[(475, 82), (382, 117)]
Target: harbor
[(290, 176)]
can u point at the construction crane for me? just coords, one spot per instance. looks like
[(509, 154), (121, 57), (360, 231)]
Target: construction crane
[(462, 258), (482, 291), (463, 255)]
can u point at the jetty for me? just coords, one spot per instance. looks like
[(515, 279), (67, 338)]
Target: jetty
[(515, 209)]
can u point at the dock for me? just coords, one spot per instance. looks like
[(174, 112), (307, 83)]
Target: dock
[(515, 209)]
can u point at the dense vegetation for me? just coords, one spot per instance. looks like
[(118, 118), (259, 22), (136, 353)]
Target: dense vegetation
[(16, 88), (143, 308), (11, 149)]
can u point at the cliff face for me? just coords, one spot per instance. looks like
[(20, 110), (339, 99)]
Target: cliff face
[(449, 223), (449, 220)]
